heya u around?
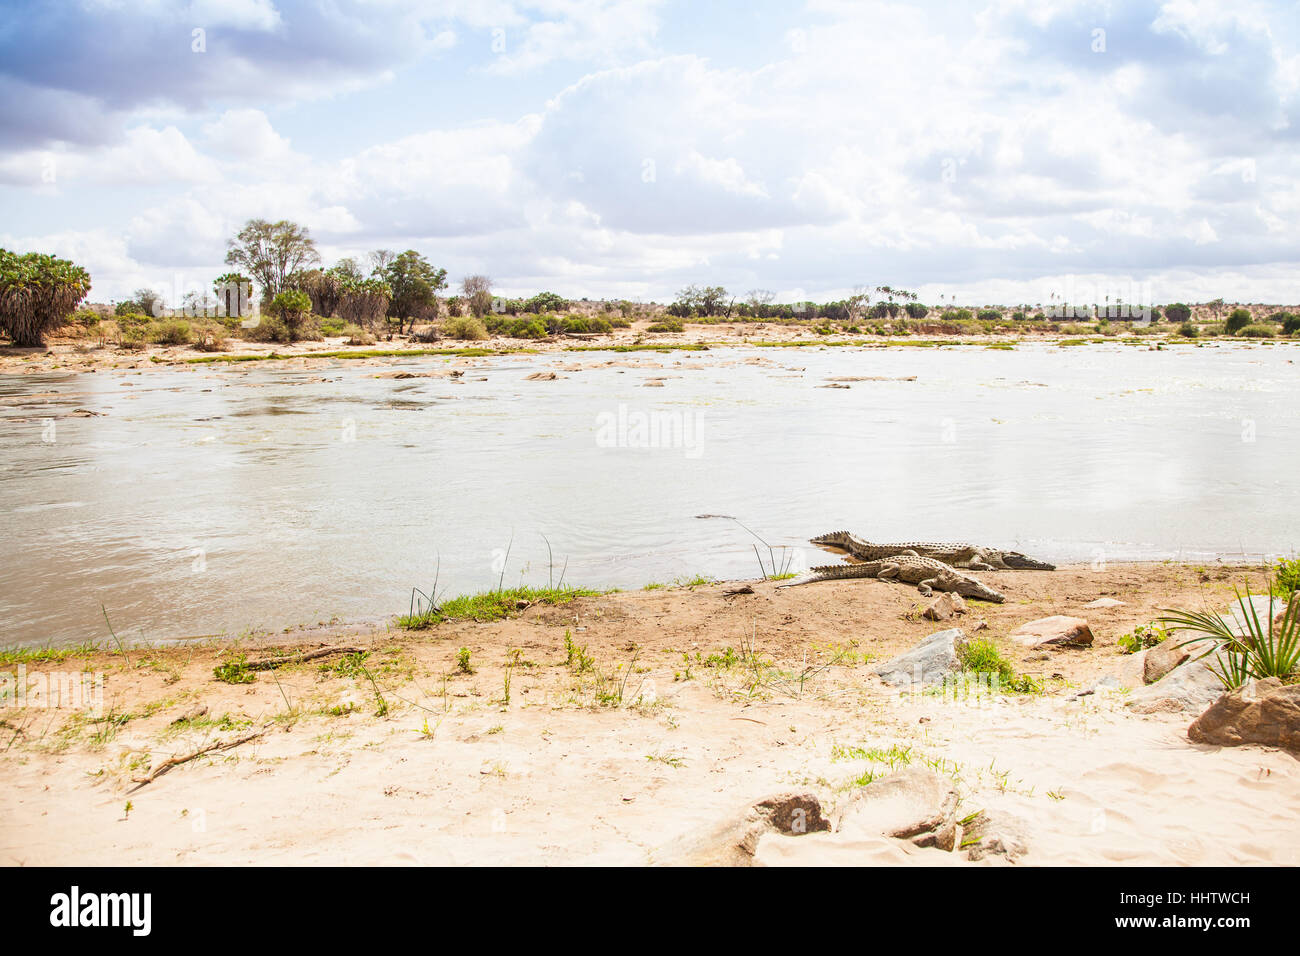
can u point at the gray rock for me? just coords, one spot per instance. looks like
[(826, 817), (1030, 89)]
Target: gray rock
[(1258, 712), (995, 833), (1192, 687), (928, 663), (1104, 603), (911, 804)]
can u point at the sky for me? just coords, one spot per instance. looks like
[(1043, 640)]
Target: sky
[(983, 152)]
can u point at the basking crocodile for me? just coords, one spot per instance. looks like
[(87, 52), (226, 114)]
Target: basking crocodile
[(959, 555), (926, 573)]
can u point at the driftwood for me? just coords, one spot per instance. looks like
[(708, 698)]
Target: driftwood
[(271, 663), (171, 762)]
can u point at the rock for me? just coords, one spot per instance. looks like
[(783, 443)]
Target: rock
[(735, 842), (1258, 712), (1192, 687), (1056, 631), (928, 663), (793, 813), (911, 804), (995, 833), (940, 609), (1167, 655), (541, 377), (1104, 602), (958, 602)]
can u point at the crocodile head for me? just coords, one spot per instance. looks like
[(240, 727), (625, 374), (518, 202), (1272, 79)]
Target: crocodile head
[(1020, 562), (969, 587)]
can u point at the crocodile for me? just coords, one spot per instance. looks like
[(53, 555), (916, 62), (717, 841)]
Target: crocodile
[(927, 574), (960, 555)]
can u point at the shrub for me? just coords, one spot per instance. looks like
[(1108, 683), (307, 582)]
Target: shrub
[(665, 326), (528, 329), (1178, 312), (1291, 324), (293, 309), (37, 292), (464, 327), (209, 336), (915, 310), (1257, 332), (1268, 649), (1188, 330), (269, 328), (989, 315), (1286, 576), (169, 332), (357, 335), (1238, 319)]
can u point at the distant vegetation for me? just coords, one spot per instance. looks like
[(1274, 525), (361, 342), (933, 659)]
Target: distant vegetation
[(277, 273)]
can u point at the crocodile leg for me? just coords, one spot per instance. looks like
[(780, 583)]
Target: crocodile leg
[(926, 587)]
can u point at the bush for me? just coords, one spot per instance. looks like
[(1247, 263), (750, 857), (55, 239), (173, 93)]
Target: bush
[(169, 332), (209, 336), (293, 309), (37, 292), (1238, 319), (1291, 325), (1286, 576), (1178, 312), (1188, 330), (528, 329), (269, 328), (464, 327), (357, 335), (1257, 332), (915, 310), (989, 315), (665, 326)]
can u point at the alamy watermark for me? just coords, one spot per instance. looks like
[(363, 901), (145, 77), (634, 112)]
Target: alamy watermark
[(71, 690), (656, 428)]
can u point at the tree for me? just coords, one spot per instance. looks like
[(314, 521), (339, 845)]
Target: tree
[(234, 294), (37, 292), (1238, 319), (324, 288), (477, 292), (364, 301), (1178, 312), (414, 285), (271, 252), (380, 260), (142, 301)]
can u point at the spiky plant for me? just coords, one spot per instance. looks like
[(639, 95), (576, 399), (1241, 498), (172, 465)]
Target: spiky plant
[(37, 292), (1268, 649)]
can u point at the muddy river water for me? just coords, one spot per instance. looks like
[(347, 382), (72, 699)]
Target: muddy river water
[(203, 500)]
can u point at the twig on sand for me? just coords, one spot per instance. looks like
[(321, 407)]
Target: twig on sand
[(271, 663), (171, 762)]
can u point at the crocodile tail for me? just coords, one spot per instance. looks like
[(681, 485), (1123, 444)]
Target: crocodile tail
[(834, 538)]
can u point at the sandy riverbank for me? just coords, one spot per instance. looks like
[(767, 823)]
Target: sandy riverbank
[(82, 355), (662, 736)]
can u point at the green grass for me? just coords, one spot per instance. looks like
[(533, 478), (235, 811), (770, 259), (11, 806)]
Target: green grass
[(234, 671), (32, 655), (489, 605)]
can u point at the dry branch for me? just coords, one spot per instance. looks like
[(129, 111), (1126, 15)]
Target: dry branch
[(171, 762)]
